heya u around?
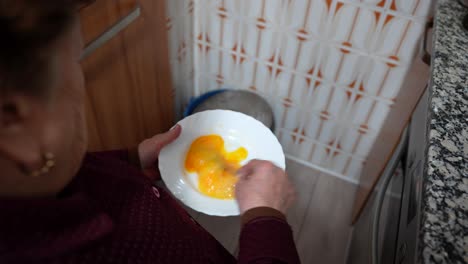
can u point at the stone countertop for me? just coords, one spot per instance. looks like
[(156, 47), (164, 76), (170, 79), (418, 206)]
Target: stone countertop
[(444, 221)]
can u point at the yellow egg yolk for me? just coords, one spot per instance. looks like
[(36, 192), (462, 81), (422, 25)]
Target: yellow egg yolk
[(216, 167)]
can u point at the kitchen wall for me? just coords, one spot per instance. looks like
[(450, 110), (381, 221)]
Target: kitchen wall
[(330, 69)]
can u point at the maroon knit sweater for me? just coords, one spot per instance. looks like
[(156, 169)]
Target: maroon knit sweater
[(111, 213)]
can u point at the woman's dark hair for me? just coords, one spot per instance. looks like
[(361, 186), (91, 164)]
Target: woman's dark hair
[(28, 30)]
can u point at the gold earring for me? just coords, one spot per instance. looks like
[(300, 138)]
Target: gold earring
[(49, 163)]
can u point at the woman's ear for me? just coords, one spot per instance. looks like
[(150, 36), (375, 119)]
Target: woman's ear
[(19, 141)]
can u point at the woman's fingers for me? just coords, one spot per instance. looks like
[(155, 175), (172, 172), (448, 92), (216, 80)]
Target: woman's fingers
[(166, 138), (261, 183), (248, 169), (150, 148)]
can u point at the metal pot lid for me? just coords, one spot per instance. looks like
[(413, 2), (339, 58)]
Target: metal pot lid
[(240, 101)]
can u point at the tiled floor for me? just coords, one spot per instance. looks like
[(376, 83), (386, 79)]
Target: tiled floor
[(326, 226), (320, 217)]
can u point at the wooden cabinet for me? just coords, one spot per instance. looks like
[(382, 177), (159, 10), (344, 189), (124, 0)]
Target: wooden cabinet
[(126, 68)]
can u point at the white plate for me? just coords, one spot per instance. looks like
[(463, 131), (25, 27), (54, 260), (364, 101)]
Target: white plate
[(237, 130)]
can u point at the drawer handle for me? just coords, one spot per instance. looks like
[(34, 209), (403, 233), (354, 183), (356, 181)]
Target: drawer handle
[(111, 32), (387, 176), (426, 55)]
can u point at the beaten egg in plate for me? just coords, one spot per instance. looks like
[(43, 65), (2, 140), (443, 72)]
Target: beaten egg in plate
[(215, 166), (199, 167)]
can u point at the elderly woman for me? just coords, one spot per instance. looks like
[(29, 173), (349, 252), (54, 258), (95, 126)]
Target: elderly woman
[(61, 205)]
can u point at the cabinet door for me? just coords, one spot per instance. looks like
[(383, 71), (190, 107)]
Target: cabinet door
[(391, 133), (129, 91)]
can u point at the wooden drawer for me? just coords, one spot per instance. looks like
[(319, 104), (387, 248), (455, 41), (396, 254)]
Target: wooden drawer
[(125, 63), (101, 15)]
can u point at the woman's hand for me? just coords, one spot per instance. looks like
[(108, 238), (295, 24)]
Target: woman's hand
[(149, 149), (261, 183)]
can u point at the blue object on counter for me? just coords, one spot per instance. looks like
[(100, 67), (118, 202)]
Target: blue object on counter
[(196, 101)]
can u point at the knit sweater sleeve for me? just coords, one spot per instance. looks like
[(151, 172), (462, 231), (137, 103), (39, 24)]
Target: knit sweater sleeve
[(266, 238), (129, 155)]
